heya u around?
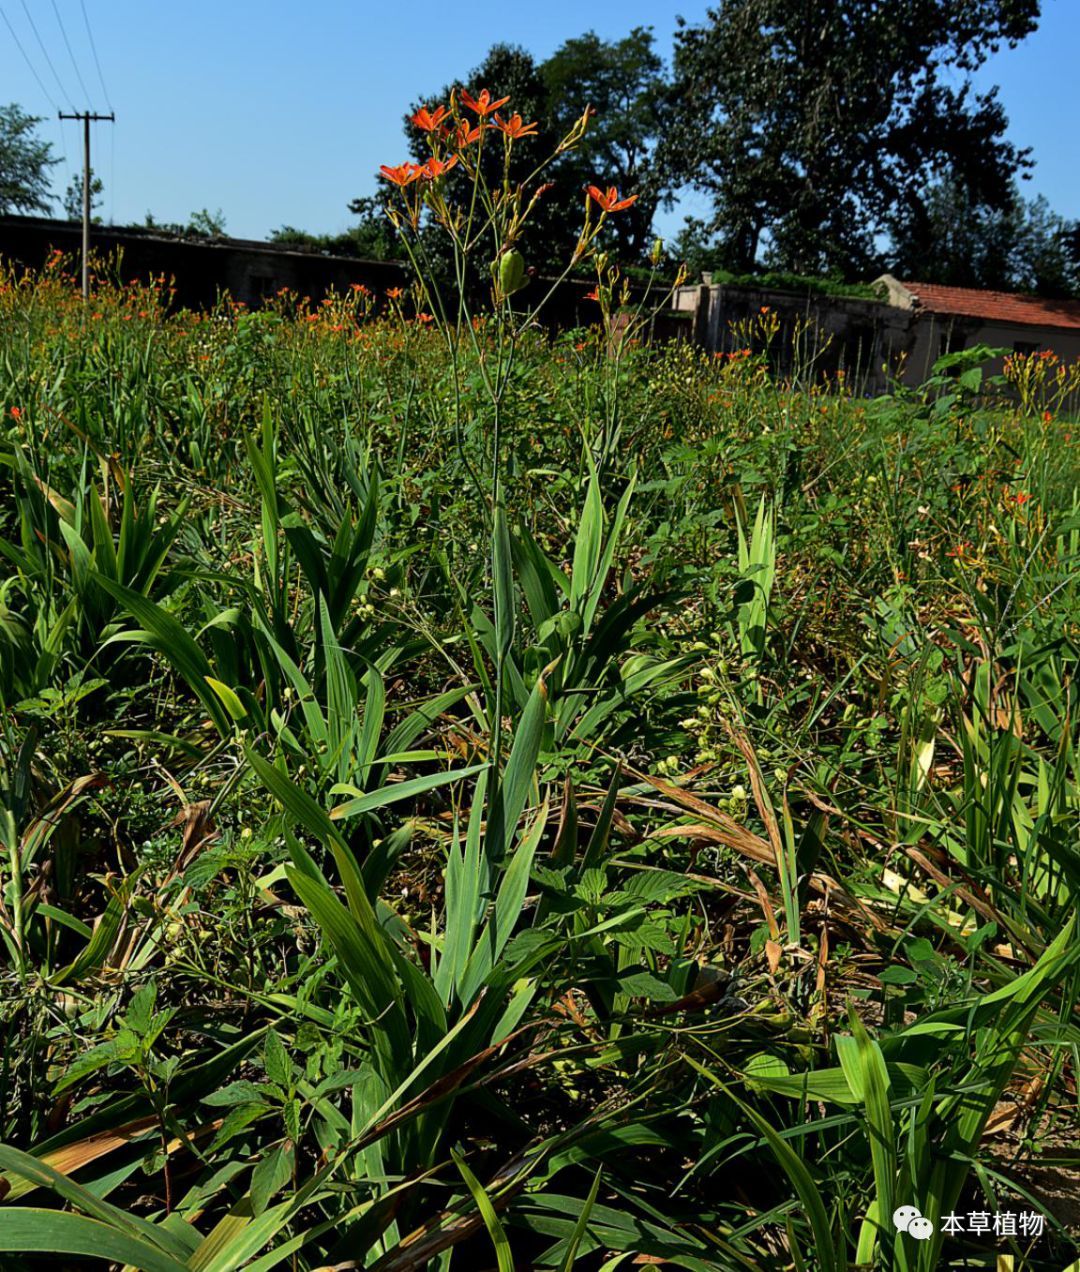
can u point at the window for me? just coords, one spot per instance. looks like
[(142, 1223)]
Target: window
[(953, 340)]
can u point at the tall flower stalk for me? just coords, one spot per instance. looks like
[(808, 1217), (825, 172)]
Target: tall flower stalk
[(488, 224)]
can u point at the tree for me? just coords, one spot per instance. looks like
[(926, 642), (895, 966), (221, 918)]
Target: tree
[(1072, 245), (372, 238), (1023, 246), (510, 71), (622, 80), (1043, 262), (73, 197), (818, 125), (25, 161), (206, 224), (201, 224)]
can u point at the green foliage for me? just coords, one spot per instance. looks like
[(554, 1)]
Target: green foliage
[(693, 247), (622, 81), (25, 161), (200, 224), (206, 224), (815, 128), (666, 850), (958, 239), (73, 197), (371, 238)]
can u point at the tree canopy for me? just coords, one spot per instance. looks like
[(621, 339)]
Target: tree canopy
[(73, 197), (622, 81), (25, 161), (817, 126), (1021, 246), (373, 237), (834, 138)]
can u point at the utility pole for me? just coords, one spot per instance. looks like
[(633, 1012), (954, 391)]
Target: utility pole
[(88, 118)]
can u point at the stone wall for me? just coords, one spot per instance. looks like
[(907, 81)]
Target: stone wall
[(870, 342), (874, 343)]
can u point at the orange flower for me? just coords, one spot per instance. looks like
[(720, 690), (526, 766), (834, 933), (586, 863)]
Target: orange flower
[(404, 174), (609, 199), (424, 319), (1047, 417), (16, 414), (394, 293), (434, 168), (482, 105), (593, 295), (514, 127), (465, 136), (428, 120)]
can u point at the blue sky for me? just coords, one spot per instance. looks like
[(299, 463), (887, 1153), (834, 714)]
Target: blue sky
[(280, 113)]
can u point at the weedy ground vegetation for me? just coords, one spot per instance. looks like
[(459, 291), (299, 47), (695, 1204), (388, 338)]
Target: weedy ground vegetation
[(472, 797)]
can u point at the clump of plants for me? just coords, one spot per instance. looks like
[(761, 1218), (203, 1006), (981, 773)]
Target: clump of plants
[(476, 796)]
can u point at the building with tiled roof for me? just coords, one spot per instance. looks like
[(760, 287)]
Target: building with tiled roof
[(874, 342), (1004, 308), (947, 319)]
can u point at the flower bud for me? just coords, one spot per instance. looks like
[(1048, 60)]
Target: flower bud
[(512, 275)]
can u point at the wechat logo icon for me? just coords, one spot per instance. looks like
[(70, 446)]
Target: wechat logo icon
[(909, 1219)]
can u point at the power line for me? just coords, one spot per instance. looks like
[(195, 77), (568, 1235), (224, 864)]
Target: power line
[(45, 54), (26, 59), (93, 49), (64, 160), (67, 42)]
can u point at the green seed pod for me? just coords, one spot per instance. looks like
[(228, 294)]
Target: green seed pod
[(512, 276)]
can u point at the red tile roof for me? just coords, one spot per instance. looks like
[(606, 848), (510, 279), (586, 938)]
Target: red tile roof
[(992, 306)]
